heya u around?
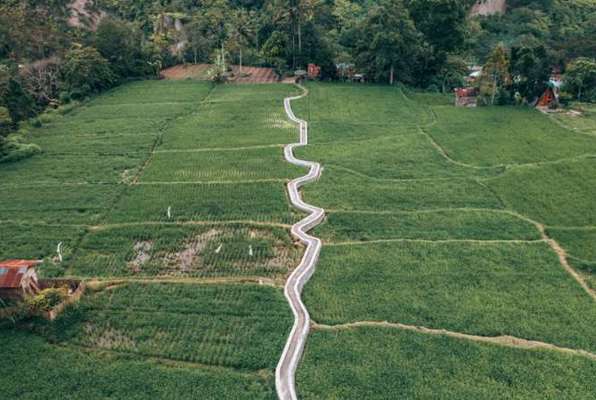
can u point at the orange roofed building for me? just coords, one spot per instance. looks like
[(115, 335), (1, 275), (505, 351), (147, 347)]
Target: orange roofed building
[(18, 278)]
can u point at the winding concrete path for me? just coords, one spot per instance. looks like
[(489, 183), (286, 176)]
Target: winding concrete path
[(286, 368)]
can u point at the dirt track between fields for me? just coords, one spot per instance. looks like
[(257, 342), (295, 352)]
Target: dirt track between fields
[(507, 341)]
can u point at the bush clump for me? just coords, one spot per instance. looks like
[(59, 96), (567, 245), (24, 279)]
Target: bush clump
[(13, 149), (46, 299)]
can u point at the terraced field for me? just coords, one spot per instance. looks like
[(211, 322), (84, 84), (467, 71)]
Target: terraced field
[(458, 253), (458, 258), (169, 199)]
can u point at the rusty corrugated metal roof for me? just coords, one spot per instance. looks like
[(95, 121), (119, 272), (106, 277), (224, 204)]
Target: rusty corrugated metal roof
[(12, 271), (19, 263)]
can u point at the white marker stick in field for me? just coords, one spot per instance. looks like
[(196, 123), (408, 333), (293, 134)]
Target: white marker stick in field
[(59, 251)]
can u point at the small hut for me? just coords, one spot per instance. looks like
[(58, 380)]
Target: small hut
[(314, 71), (18, 278), (550, 97), (466, 97)]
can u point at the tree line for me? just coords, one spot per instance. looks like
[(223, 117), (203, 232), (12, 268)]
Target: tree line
[(46, 61)]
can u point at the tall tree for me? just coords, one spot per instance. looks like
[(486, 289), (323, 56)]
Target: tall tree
[(86, 71), (443, 22), (200, 42), (242, 28), (495, 74), (121, 44), (530, 67), (388, 42), (580, 78)]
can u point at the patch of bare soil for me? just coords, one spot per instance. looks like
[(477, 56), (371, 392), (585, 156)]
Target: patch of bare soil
[(254, 75), (128, 176), (284, 256), (574, 113), (199, 71), (184, 260), (143, 254), (186, 71)]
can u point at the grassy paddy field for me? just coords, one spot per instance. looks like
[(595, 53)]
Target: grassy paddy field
[(169, 198), (453, 237), (453, 226)]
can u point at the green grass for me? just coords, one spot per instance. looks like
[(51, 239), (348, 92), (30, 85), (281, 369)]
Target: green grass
[(381, 363), (265, 163), (262, 201), (109, 171), (581, 249), (364, 106), (234, 116), (37, 241), (74, 204), (340, 190), (391, 157), (434, 225), (156, 92), (585, 122), (580, 243), (239, 326), (556, 194), (35, 369), (58, 170), (415, 171), (484, 289), (487, 136), (61, 144)]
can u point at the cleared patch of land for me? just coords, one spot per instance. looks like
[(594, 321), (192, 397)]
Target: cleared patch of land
[(201, 72)]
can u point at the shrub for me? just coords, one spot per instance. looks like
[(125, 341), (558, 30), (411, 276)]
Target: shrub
[(46, 299), (12, 149), (64, 97), (86, 71)]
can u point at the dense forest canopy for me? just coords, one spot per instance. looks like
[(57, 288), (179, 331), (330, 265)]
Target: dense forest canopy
[(47, 57)]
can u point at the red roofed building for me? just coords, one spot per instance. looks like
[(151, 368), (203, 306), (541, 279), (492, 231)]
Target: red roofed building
[(466, 97), (314, 71), (18, 278)]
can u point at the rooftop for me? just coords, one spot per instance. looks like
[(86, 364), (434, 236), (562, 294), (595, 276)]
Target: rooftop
[(12, 271)]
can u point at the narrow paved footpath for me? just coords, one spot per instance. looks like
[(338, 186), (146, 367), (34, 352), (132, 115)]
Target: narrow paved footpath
[(286, 368)]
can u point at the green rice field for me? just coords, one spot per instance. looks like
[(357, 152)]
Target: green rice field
[(447, 219), (181, 230), (458, 257)]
